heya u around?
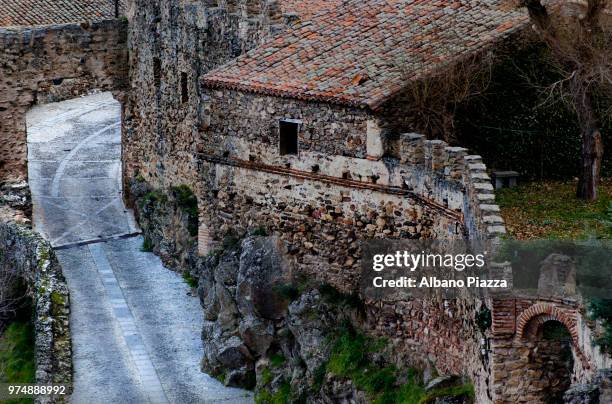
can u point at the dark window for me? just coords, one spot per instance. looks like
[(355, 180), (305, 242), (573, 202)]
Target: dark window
[(184, 89), (289, 137), (157, 71)]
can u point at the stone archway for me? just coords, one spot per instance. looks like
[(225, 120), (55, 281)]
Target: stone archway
[(547, 339)]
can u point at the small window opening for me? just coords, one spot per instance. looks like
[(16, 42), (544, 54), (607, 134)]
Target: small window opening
[(288, 137), (346, 175), (315, 168), (375, 178), (184, 89), (157, 71), (226, 154)]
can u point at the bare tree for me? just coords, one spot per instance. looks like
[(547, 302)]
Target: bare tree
[(434, 100), (12, 295), (434, 97), (579, 36)]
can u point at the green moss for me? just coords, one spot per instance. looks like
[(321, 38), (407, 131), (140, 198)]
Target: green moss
[(188, 203), (17, 363), (373, 380), (282, 395), (349, 354), (147, 245), (139, 178), (277, 360), (57, 299), (154, 197), (411, 391), (350, 359), (466, 390), (266, 376), (191, 281), (44, 255), (220, 376)]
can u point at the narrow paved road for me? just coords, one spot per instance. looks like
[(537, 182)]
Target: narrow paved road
[(135, 325)]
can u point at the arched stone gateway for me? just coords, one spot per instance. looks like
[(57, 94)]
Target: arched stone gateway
[(538, 349)]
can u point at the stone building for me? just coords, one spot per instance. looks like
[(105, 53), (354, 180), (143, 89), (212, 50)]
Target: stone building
[(291, 118), (294, 124), (322, 99)]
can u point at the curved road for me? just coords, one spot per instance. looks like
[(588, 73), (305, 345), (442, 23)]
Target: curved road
[(135, 325)]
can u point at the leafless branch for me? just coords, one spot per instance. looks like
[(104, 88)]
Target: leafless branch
[(12, 295)]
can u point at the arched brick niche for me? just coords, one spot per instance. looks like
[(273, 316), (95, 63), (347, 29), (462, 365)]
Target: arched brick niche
[(528, 363), (531, 320)]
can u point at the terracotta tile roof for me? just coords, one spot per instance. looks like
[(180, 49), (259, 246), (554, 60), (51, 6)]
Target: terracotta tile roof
[(45, 12), (364, 51), (305, 9)]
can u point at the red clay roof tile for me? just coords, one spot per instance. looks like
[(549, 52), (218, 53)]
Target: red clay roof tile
[(46, 12), (390, 42)]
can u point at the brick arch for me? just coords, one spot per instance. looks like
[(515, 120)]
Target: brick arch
[(542, 312), (529, 321)]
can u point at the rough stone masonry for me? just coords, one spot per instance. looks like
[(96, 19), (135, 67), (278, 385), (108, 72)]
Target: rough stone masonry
[(52, 63)]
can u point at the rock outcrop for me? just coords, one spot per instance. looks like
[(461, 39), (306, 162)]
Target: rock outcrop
[(269, 329), (599, 391)]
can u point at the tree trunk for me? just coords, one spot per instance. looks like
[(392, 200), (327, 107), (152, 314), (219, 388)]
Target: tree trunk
[(592, 154)]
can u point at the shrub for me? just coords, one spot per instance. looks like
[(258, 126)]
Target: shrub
[(188, 203), (147, 245), (17, 353), (190, 280)]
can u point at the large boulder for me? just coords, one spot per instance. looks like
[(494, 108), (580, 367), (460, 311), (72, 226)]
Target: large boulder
[(238, 292), (309, 323), (263, 270), (596, 392)]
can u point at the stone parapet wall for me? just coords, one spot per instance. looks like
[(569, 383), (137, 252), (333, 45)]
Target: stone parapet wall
[(26, 255), (241, 131), (52, 63), (439, 332)]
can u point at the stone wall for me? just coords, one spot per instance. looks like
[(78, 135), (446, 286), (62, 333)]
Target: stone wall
[(26, 255), (323, 203), (350, 182), (52, 63), (172, 44)]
